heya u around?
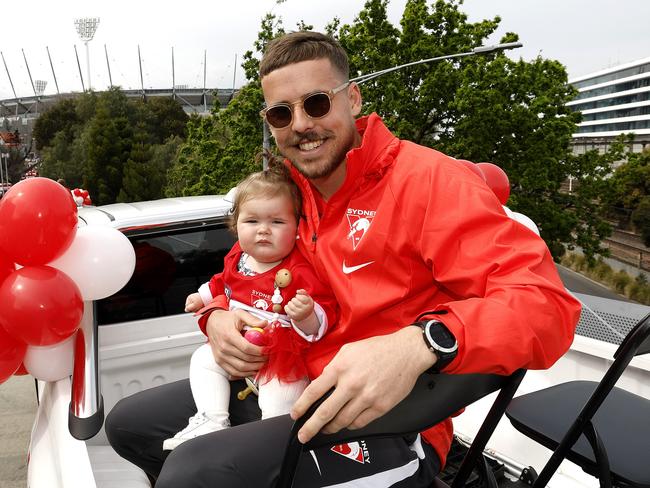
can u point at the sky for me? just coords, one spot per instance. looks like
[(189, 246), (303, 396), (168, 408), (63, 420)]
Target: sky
[(585, 35)]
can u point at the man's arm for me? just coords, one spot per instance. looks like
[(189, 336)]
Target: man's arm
[(364, 392)]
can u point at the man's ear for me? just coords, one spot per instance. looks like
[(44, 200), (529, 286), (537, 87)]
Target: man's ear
[(354, 97)]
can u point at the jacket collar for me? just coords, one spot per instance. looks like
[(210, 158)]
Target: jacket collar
[(364, 165)]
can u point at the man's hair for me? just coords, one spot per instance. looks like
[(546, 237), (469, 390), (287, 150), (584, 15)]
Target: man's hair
[(269, 183), (303, 46)]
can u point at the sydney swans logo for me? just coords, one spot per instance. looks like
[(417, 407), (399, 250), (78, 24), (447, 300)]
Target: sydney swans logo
[(359, 222)]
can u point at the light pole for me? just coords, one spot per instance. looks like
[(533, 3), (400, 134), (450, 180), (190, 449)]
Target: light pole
[(367, 77), (86, 28), (4, 174)]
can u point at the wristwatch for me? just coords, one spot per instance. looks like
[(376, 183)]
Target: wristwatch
[(440, 342)]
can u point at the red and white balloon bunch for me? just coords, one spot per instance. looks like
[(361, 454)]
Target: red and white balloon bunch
[(81, 197), (48, 268), (497, 180)]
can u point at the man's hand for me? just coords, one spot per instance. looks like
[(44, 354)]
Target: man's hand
[(370, 377), (238, 357), (300, 306)]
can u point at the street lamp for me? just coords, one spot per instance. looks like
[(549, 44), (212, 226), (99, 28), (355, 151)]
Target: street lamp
[(477, 50), (266, 144), (86, 28)]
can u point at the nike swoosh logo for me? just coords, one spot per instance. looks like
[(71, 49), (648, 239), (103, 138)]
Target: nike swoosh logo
[(352, 269)]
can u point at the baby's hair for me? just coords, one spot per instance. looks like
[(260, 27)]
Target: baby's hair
[(269, 183)]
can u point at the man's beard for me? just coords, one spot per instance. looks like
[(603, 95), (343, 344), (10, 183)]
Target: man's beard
[(322, 170)]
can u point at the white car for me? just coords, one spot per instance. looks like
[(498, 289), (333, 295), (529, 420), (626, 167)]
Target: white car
[(144, 339)]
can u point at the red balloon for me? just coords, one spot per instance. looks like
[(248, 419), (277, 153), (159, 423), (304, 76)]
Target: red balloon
[(473, 167), (40, 305), (497, 180), (38, 221), (12, 353), (6, 268)]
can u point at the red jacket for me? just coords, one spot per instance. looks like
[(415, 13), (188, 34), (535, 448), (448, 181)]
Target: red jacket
[(412, 230)]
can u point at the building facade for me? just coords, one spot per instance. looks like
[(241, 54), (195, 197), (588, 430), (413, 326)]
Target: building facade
[(613, 101)]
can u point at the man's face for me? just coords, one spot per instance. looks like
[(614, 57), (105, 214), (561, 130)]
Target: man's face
[(315, 146)]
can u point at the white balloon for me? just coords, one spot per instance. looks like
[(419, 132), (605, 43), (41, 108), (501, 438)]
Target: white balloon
[(51, 363), (100, 261), (525, 220)]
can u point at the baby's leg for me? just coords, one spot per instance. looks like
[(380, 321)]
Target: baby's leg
[(211, 392), (277, 398), (210, 385)]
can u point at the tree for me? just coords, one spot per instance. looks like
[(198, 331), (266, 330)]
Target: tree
[(483, 108), (61, 118), (641, 219), (223, 148), (630, 182), (165, 118), (110, 145)]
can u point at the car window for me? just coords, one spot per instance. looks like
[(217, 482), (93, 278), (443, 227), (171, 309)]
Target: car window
[(169, 266)]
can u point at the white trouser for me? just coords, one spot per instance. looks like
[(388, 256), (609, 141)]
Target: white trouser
[(211, 389)]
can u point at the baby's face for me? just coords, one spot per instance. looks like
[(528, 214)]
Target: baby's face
[(266, 228)]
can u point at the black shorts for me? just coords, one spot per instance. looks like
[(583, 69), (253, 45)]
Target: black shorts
[(249, 454)]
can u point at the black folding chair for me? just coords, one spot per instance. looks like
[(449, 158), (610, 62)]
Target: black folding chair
[(603, 429), (434, 398)]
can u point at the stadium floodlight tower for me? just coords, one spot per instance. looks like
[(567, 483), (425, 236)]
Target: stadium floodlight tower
[(86, 28), (40, 87)]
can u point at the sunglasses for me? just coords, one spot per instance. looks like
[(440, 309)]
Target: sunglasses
[(315, 105)]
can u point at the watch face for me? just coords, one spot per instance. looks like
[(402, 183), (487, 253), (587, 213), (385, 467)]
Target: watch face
[(439, 338)]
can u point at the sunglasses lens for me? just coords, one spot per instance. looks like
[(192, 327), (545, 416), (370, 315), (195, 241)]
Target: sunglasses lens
[(279, 116), (317, 105)]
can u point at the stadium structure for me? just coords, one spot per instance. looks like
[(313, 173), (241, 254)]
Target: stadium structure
[(613, 101)]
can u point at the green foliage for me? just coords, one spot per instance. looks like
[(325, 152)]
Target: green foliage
[(110, 145), (482, 108), (222, 149), (641, 219), (628, 192), (631, 180), (61, 118)]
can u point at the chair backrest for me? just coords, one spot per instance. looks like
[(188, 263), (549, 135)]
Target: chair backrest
[(434, 398), (636, 342)]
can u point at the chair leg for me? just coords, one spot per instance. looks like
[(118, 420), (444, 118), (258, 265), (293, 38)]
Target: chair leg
[(570, 438), (487, 428), (602, 461)]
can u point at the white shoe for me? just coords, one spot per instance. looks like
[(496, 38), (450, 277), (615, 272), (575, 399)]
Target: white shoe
[(198, 425)]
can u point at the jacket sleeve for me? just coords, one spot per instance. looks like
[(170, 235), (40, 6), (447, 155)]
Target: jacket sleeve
[(508, 306), (217, 289)]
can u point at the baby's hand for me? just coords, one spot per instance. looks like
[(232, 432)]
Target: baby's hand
[(193, 303), (300, 306)]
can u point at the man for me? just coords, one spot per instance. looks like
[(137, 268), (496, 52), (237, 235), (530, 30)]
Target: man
[(400, 232)]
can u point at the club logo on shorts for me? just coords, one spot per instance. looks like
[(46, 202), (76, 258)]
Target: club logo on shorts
[(359, 222), (357, 451), (260, 301)]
